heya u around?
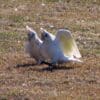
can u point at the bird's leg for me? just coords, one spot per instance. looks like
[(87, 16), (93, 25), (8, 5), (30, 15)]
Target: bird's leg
[(50, 65), (47, 63)]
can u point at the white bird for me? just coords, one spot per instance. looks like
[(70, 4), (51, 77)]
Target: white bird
[(32, 46), (61, 48)]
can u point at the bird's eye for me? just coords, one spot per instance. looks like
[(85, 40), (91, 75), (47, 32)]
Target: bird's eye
[(33, 35), (30, 36), (46, 35)]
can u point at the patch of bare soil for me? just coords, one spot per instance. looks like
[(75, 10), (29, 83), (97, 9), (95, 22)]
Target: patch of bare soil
[(21, 78)]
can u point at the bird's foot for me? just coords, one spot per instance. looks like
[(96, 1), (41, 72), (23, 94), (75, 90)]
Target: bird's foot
[(50, 68)]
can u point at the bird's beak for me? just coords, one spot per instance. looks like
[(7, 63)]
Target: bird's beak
[(42, 33), (42, 30)]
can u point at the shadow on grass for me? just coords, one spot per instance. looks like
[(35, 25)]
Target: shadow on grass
[(24, 65), (57, 68), (48, 68)]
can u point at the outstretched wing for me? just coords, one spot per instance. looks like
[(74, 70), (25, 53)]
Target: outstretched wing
[(67, 43)]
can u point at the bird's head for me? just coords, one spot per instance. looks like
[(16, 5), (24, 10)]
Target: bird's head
[(46, 36), (31, 34)]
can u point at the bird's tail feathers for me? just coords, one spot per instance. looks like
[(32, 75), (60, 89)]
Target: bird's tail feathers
[(75, 60)]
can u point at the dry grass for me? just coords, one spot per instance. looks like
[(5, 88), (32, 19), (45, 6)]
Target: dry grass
[(69, 82)]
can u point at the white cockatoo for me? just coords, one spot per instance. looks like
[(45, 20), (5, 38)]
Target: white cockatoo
[(61, 48), (32, 46)]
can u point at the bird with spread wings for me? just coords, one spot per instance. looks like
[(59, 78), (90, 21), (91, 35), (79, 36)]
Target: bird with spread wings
[(52, 49), (60, 48)]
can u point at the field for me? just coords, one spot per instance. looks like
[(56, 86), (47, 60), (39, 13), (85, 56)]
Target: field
[(21, 78)]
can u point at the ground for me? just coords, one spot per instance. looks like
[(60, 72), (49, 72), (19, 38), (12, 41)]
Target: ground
[(21, 78)]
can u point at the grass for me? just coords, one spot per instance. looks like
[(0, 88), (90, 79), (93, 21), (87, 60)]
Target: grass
[(73, 81), (16, 18), (11, 41)]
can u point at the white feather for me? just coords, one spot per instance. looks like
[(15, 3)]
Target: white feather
[(67, 43), (33, 45), (53, 49)]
